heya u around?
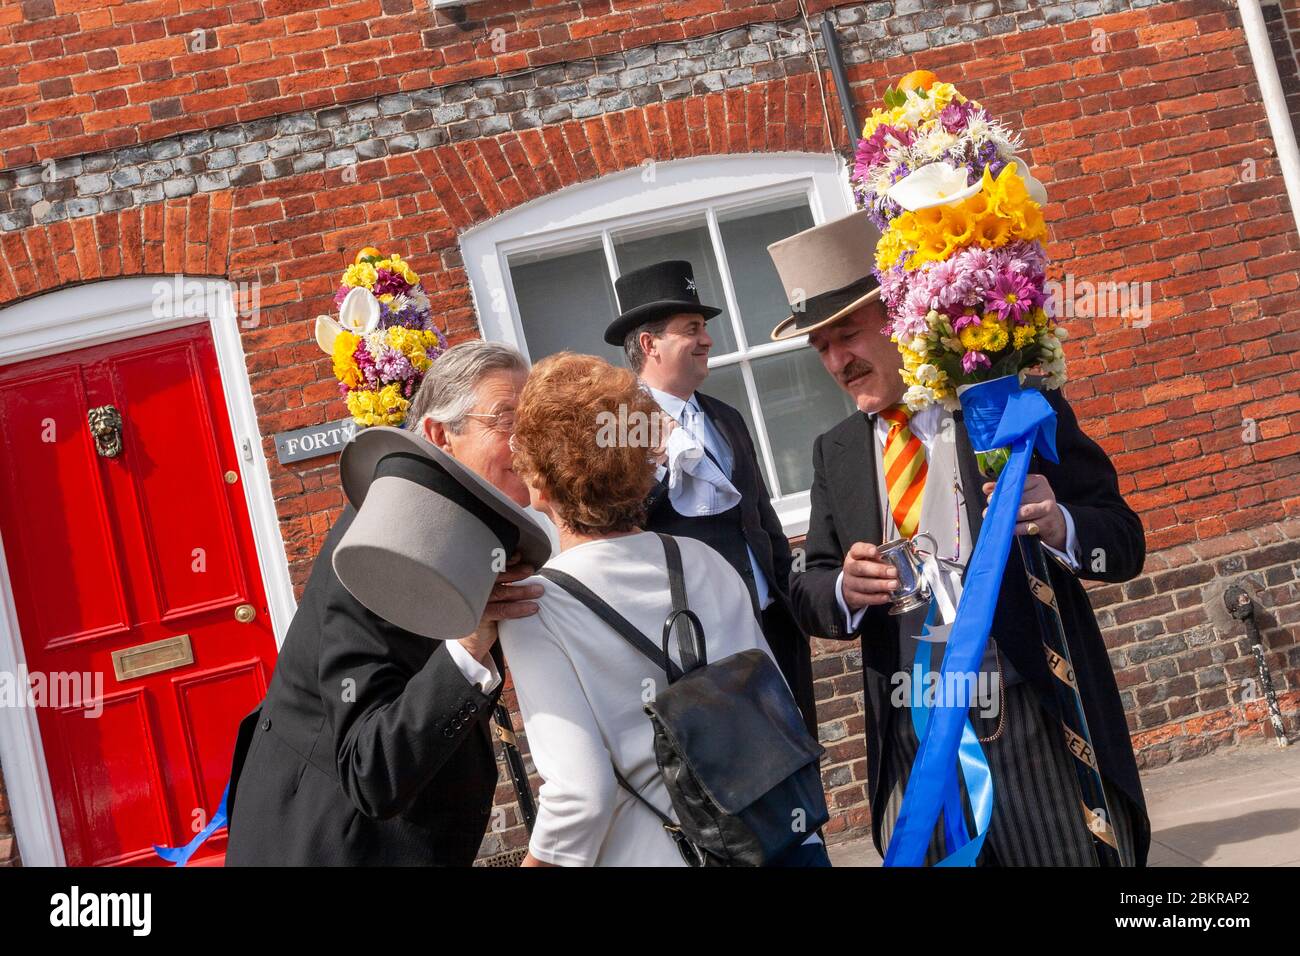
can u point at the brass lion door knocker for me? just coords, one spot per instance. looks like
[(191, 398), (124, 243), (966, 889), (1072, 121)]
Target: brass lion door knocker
[(106, 427)]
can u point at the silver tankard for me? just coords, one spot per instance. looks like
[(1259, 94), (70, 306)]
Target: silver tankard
[(912, 591)]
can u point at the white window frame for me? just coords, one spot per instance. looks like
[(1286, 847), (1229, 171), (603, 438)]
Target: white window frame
[(649, 193)]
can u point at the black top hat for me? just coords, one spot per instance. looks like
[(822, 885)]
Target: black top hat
[(655, 292)]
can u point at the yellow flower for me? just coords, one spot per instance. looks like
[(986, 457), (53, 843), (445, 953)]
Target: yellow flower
[(890, 247), (942, 94), (972, 338), (995, 334), (1023, 335), (345, 366), (383, 407), (361, 274)]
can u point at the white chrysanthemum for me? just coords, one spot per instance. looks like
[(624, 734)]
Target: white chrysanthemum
[(928, 374), (918, 108), (936, 143), (917, 397)]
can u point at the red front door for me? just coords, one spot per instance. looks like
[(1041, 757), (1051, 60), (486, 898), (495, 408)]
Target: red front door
[(123, 568)]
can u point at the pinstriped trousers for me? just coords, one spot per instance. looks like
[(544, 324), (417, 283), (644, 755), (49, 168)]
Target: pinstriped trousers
[(1037, 820)]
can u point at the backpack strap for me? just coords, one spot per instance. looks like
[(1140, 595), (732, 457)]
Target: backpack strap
[(621, 625), (692, 652)]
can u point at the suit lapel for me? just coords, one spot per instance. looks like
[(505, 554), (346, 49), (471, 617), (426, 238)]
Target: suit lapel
[(722, 422), (857, 491)]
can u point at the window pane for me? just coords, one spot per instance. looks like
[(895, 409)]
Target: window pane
[(565, 300), (799, 401), (746, 234), (683, 239)]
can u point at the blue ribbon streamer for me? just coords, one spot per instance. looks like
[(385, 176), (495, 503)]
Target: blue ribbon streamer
[(997, 414), (180, 855), (963, 850)]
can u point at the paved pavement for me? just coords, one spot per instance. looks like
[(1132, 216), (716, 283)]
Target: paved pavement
[(1235, 807)]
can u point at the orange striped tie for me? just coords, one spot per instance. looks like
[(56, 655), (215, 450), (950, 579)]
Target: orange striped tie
[(905, 470)]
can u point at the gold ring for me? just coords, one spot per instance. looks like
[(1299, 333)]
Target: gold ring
[(1032, 528)]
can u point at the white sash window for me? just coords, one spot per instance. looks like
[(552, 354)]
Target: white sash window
[(543, 280)]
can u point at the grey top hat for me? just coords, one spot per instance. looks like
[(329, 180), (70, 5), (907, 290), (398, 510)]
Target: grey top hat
[(430, 535), (827, 273)]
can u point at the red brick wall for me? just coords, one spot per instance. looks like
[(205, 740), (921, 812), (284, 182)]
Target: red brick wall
[(1141, 143), (77, 77)]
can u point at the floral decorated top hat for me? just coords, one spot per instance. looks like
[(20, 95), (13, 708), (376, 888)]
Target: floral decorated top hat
[(429, 536), (825, 273), (655, 292)]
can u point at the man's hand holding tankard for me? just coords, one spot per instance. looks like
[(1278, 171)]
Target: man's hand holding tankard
[(867, 581)]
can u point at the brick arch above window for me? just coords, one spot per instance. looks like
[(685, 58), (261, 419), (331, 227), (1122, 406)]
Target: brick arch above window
[(190, 236), (477, 180)]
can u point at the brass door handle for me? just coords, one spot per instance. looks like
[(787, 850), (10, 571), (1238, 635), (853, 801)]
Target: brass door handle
[(245, 613)]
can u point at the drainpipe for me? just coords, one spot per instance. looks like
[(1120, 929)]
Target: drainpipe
[(1270, 89)]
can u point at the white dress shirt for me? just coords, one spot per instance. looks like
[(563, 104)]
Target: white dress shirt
[(483, 674), (699, 486)]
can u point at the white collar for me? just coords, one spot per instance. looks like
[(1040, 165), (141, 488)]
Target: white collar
[(671, 403)]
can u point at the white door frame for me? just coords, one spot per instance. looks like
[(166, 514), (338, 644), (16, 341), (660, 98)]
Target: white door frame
[(94, 314)]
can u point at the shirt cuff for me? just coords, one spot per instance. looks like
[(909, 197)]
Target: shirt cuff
[(852, 618), (1071, 554), (486, 676)]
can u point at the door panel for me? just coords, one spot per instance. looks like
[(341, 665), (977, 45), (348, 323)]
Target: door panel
[(109, 554)]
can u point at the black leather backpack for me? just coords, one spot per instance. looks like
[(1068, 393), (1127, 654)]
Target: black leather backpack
[(740, 767)]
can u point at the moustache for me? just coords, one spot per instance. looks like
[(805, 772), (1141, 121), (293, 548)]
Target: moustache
[(854, 370)]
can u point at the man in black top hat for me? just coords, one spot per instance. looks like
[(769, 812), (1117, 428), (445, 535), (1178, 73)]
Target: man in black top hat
[(711, 487)]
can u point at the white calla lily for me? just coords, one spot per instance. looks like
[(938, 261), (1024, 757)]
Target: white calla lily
[(327, 330), (934, 184), (359, 312)]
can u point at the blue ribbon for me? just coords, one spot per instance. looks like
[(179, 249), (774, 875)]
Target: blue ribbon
[(997, 414), (180, 855), (963, 850)]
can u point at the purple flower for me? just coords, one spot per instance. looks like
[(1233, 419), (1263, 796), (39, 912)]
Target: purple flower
[(954, 117), (366, 363), (893, 286), (874, 149), (389, 282), (393, 366), (1011, 297), (965, 319), (974, 361)]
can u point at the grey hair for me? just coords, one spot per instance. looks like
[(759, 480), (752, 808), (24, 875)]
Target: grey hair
[(448, 391), (632, 342)]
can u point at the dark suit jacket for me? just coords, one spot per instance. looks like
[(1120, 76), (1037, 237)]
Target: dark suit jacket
[(370, 747), (845, 509), (753, 522)]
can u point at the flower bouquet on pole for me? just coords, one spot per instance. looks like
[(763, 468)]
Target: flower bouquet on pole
[(383, 340), (962, 270)]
